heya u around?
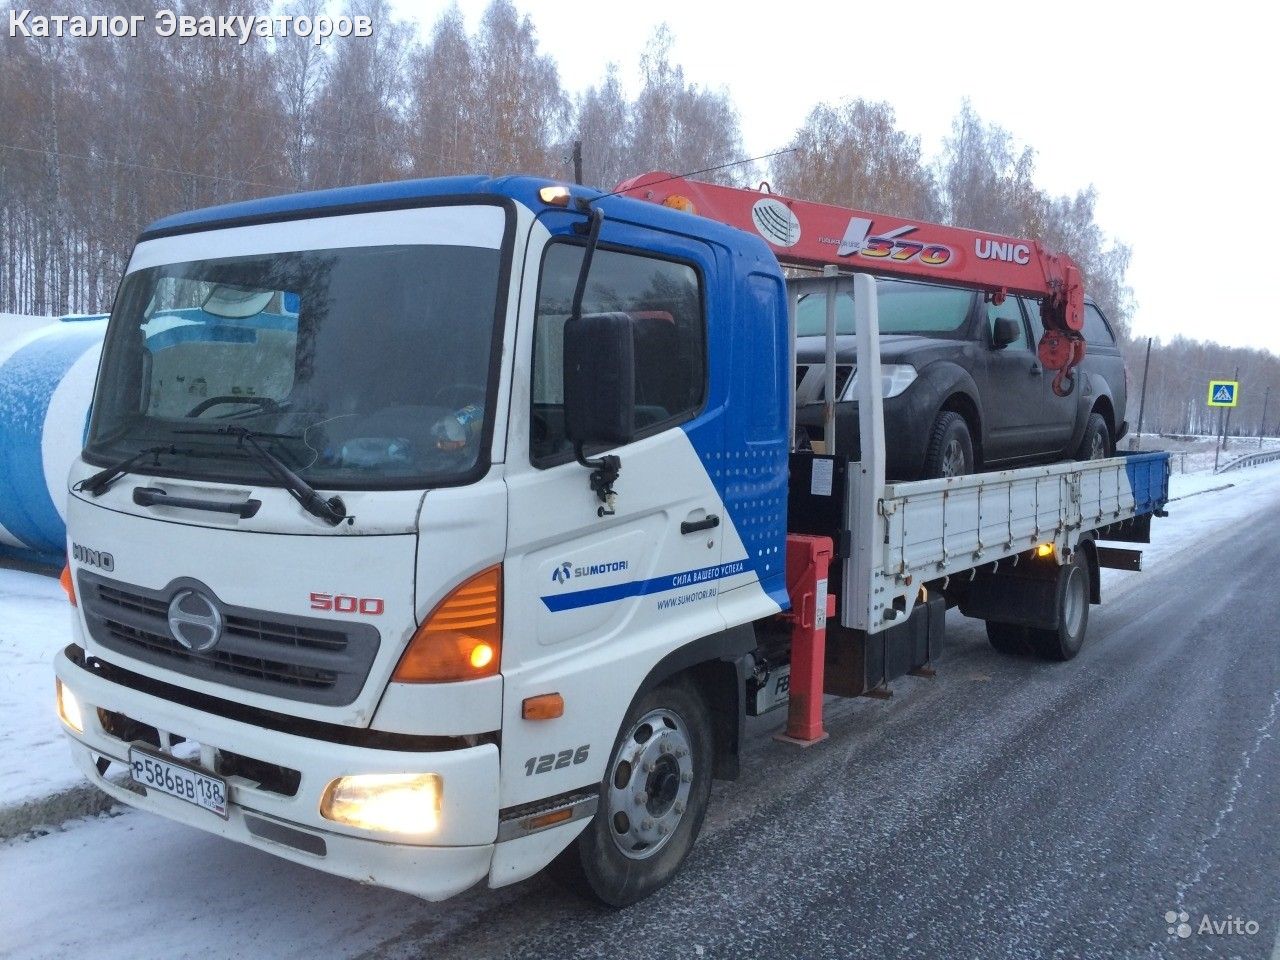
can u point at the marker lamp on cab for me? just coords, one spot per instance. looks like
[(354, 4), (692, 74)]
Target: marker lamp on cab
[(407, 803), (69, 707), (462, 638), (555, 196)]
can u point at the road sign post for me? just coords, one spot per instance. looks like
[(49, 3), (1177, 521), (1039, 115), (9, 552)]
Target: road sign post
[(1223, 394)]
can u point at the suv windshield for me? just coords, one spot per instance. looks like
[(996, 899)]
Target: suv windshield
[(360, 367), (920, 309)]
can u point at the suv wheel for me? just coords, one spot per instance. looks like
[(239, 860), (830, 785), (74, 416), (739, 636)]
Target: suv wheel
[(1096, 443), (950, 450)]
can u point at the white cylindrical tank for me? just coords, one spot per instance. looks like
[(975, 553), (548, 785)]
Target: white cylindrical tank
[(46, 384)]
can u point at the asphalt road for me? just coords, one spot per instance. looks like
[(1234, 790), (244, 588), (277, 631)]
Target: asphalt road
[(1005, 808)]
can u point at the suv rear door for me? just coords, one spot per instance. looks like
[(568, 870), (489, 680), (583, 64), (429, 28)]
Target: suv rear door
[(1059, 413)]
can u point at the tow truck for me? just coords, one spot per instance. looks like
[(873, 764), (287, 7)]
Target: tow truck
[(435, 532)]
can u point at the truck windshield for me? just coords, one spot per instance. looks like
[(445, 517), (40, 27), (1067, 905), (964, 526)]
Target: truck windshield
[(919, 309), (363, 367)]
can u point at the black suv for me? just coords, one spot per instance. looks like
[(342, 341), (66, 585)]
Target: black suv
[(963, 388)]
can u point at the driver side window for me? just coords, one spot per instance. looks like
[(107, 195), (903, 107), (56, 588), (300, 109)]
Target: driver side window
[(664, 299), (1012, 309)]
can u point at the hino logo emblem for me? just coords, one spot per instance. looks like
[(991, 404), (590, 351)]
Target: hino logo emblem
[(194, 620)]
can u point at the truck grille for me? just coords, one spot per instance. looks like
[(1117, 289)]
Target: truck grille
[(299, 658)]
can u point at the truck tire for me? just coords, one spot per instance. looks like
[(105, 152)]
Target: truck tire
[(950, 450), (652, 800), (1065, 641), (1009, 638), (1096, 442)]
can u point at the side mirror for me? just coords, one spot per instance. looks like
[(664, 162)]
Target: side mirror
[(1005, 332), (599, 379)]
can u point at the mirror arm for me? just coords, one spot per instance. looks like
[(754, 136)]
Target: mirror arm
[(604, 470), (588, 254), (604, 473)]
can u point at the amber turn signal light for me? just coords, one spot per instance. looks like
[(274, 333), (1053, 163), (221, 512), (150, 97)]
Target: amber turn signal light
[(546, 706), (67, 585), (462, 638)]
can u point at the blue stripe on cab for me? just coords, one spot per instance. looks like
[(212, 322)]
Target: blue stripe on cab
[(638, 588)]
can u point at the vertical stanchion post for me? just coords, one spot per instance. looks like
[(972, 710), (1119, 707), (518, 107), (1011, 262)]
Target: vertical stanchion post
[(808, 562)]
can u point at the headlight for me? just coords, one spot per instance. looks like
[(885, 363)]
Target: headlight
[(390, 802), (894, 378), (69, 707)]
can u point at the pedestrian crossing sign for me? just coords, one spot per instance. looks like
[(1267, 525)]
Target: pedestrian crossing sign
[(1224, 393)]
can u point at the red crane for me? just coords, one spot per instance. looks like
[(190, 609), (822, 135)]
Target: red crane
[(805, 234)]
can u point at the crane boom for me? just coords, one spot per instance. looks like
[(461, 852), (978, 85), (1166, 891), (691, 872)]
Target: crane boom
[(806, 234)]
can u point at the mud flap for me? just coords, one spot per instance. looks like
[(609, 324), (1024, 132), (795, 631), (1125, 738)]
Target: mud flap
[(860, 663)]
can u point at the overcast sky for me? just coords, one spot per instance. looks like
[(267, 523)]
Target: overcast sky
[(1168, 110)]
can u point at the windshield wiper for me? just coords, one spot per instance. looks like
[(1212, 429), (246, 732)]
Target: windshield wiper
[(332, 511), (101, 482)]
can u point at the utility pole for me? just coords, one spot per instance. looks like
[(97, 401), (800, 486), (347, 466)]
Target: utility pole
[(577, 161), (1142, 401), (1262, 424)]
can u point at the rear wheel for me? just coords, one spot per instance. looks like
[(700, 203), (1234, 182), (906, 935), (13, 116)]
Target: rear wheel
[(1096, 443), (1064, 641), (1008, 638), (652, 800), (950, 449)]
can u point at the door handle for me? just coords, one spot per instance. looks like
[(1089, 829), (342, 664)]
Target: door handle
[(708, 522), (1036, 369)]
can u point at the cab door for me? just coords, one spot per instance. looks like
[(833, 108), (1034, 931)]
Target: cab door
[(594, 599)]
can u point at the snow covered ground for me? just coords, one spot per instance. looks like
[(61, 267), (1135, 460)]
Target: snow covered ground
[(34, 623)]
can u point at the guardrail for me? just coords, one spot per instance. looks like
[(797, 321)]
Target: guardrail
[(1249, 460)]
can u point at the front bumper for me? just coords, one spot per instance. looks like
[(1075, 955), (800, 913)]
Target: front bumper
[(906, 423), (289, 824)]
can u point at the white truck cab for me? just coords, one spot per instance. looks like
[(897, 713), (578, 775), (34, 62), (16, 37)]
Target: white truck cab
[(417, 677)]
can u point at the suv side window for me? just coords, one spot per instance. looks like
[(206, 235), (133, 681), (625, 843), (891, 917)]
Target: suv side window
[(1012, 309), (664, 298), (1095, 327)]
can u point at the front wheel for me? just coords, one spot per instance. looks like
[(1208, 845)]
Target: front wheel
[(652, 801), (950, 450)]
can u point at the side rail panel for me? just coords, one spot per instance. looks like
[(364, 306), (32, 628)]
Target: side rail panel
[(931, 529)]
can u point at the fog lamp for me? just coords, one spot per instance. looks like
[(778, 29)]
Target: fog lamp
[(69, 707), (389, 802)]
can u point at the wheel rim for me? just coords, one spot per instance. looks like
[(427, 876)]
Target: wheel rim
[(649, 784), (953, 459), (1073, 604), (1098, 450)]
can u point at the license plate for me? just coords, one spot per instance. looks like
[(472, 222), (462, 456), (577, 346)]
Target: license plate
[(156, 772)]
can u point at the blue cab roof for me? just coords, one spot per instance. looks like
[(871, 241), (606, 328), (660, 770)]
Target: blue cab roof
[(522, 189)]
